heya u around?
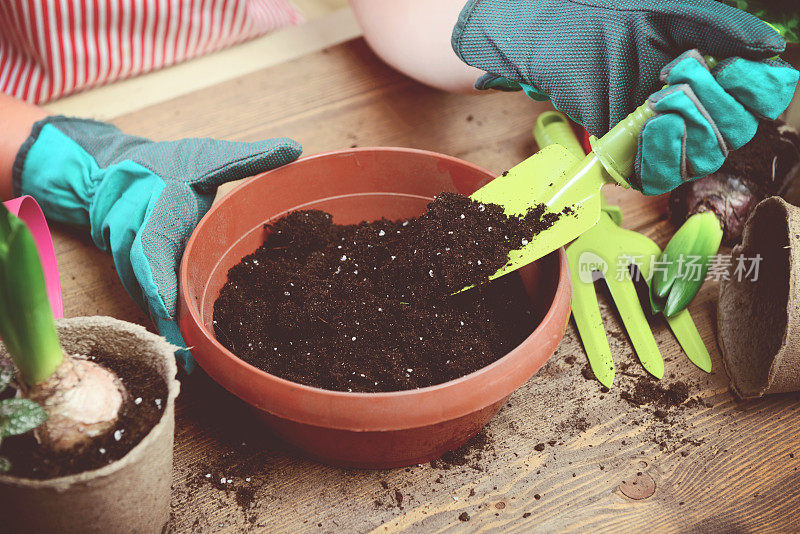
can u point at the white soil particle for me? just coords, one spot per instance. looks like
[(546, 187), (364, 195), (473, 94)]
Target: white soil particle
[(137, 400)]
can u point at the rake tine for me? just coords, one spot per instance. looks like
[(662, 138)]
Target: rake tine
[(586, 312), (553, 128), (627, 301), (682, 325), (689, 338)]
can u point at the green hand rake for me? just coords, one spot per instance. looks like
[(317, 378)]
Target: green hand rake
[(596, 252)]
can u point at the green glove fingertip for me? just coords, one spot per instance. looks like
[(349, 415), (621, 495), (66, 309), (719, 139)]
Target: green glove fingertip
[(659, 161), (764, 87), (703, 149), (500, 83), (732, 122)]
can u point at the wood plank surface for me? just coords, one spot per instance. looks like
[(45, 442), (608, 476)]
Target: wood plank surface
[(563, 455)]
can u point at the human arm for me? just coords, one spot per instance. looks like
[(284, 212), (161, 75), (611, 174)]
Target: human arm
[(413, 36), (16, 120)]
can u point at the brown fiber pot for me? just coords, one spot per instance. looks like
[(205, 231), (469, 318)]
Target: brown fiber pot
[(372, 430), (129, 495), (758, 318)]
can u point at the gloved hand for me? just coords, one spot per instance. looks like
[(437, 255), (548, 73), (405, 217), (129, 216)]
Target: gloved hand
[(140, 199), (703, 114), (597, 60)]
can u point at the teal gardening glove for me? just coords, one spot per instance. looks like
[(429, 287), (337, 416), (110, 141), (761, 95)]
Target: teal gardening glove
[(597, 60), (140, 199)]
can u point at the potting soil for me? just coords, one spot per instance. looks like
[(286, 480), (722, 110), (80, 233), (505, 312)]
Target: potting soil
[(369, 307), (142, 408), (767, 158)]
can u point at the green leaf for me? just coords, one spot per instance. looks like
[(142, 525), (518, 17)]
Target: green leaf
[(18, 416), (5, 465), (780, 15), (27, 327), (6, 373), (688, 256)]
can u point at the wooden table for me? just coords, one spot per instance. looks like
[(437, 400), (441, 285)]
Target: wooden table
[(720, 465)]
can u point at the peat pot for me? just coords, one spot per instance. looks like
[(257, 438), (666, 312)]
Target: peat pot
[(371, 430), (129, 495)]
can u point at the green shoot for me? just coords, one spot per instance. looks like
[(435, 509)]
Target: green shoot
[(27, 326), (687, 257)]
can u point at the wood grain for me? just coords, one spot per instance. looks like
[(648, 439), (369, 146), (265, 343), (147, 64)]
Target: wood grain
[(717, 464)]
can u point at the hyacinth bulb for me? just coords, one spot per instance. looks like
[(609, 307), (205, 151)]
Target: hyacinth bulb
[(81, 398)]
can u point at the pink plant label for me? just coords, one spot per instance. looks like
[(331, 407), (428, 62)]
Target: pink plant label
[(29, 211)]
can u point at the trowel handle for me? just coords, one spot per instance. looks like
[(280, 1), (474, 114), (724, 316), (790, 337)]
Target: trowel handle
[(617, 149), (553, 128)]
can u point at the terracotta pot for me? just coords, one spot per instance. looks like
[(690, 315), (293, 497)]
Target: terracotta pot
[(129, 495), (373, 430)]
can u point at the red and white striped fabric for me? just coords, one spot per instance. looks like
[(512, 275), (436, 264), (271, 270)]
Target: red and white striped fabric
[(51, 48)]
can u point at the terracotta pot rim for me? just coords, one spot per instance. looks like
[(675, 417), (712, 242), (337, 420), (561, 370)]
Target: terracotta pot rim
[(561, 297), (173, 387)]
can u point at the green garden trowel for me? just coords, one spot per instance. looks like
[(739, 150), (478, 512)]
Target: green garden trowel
[(595, 253), (552, 177)]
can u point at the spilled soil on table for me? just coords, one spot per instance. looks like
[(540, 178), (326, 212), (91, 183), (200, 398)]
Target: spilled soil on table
[(370, 307)]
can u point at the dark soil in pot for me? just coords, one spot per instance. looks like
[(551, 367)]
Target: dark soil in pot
[(369, 307), (141, 410)]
